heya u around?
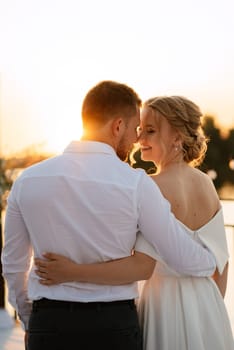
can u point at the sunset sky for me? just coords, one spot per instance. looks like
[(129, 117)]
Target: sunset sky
[(53, 51)]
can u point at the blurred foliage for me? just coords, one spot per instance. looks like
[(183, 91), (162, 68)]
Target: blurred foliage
[(11, 167)]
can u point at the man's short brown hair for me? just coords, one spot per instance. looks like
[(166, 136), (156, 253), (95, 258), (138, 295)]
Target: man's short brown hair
[(107, 100)]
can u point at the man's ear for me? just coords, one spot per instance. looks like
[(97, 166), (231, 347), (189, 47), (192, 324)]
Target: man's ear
[(118, 127)]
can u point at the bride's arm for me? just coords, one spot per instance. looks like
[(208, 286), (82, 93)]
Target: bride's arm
[(57, 269)]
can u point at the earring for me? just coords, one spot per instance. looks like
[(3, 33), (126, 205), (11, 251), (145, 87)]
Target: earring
[(176, 148)]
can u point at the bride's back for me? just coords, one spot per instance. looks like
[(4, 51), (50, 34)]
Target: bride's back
[(192, 195)]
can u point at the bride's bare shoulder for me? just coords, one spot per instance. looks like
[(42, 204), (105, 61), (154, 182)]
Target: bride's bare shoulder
[(166, 185), (203, 178), (161, 179)]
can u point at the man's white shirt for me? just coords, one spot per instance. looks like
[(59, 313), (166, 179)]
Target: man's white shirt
[(88, 205)]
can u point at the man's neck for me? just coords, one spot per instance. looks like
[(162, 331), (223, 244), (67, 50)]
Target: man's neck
[(97, 138)]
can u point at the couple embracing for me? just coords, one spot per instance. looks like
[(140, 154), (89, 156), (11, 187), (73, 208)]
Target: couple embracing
[(83, 227)]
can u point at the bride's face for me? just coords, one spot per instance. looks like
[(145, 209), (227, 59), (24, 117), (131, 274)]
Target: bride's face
[(156, 137)]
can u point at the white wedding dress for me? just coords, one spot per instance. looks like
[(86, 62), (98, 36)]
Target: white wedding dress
[(186, 313)]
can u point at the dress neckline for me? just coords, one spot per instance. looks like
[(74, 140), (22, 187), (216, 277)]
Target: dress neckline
[(203, 226)]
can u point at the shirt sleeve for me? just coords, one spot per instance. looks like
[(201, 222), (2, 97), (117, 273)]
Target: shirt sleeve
[(16, 259), (143, 246), (159, 227), (17, 296)]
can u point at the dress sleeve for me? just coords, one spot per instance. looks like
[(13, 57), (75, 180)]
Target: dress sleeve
[(213, 236)]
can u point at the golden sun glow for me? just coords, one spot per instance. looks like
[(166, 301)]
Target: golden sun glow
[(57, 140), (40, 113), (45, 70)]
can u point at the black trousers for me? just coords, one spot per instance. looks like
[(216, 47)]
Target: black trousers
[(61, 325)]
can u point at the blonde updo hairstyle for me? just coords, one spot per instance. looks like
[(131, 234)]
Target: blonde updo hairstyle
[(185, 117)]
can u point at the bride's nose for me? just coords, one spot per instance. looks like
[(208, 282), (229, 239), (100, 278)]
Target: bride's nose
[(140, 134)]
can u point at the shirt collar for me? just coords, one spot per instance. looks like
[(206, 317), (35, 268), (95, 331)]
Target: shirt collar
[(89, 147)]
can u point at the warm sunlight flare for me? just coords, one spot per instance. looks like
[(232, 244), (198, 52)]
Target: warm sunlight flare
[(58, 139), (43, 112), (51, 56)]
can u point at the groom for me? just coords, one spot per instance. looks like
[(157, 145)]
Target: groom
[(88, 204)]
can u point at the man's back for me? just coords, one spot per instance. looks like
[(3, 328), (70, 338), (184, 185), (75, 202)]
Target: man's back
[(83, 205)]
